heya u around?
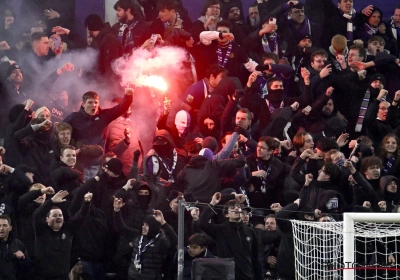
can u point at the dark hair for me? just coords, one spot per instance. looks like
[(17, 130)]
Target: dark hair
[(370, 161), (383, 152), (271, 142), (6, 217), (66, 147), (272, 56), (167, 4), (231, 203), (215, 69), (198, 239), (37, 36), (376, 38), (397, 7), (326, 143), (361, 50), (270, 216), (52, 208), (246, 111), (225, 23), (319, 52), (332, 170), (90, 94), (192, 147), (125, 5), (254, 5), (273, 79), (94, 22), (207, 4)]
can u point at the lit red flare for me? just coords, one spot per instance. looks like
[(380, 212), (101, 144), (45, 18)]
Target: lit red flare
[(155, 82)]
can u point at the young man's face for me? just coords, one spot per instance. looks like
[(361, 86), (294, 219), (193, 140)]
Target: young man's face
[(353, 56), (166, 15), (297, 15), (16, 77), (322, 176), (276, 85), (42, 46), (145, 229), (245, 216), (91, 106), (209, 123), (373, 172), (375, 46), (328, 108), (263, 151), (64, 136), (308, 142), (214, 80), (55, 220), (253, 13), (195, 250), (234, 213), (121, 14), (391, 187), (5, 229), (270, 224), (346, 6), (377, 84), (396, 16), (68, 157), (234, 14), (319, 63), (335, 157)]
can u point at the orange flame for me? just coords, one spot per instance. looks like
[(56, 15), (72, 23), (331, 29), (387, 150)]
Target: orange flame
[(156, 82)]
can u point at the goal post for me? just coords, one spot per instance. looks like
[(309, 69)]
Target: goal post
[(363, 246), (349, 219)]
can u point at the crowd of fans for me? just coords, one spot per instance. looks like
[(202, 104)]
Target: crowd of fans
[(289, 113)]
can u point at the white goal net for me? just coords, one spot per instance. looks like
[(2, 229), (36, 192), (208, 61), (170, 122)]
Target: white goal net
[(356, 250)]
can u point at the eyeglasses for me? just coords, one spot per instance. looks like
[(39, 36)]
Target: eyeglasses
[(384, 108), (234, 11), (215, 7), (320, 61)]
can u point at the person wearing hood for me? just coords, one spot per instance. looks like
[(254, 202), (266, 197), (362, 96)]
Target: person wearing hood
[(90, 122), (34, 143), (389, 193), (106, 42), (233, 239), (201, 177), (19, 116), (150, 247), (179, 130), (14, 259), (151, 175), (173, 159)]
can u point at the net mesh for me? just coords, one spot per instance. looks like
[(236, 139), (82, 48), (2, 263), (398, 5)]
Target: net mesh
[(319, 250)]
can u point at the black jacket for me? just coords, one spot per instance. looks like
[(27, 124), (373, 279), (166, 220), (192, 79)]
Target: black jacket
[(201, 178), (11, 266), (65, 178), (235, 240)]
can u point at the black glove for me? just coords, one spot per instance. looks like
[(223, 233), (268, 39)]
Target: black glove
[(241, 130), (136, 155)]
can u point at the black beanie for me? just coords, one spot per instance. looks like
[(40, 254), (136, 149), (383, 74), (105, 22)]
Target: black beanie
[(154, 226), (12, 68)]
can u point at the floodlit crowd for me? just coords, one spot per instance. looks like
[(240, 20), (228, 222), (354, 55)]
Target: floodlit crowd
[(289, 113)]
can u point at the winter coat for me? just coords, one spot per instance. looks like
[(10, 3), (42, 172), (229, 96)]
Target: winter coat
[(201, 178), (11, 266), (235, 240)]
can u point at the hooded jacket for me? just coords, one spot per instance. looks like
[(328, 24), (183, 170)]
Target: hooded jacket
[(392, 199), (201, 178), (166, 154)]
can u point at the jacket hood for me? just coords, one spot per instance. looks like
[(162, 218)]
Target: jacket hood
[(385, 180), (163, 134)]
